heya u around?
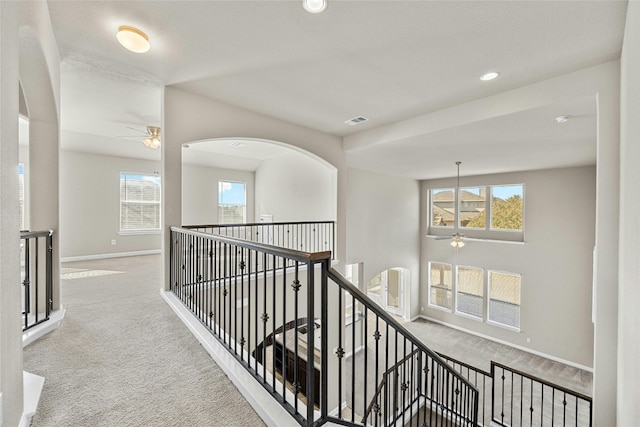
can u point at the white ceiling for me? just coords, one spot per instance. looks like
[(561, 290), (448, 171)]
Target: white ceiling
[(385, 60)]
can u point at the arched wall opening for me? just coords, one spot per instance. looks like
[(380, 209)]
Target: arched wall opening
[(189, 118), (280, 183)]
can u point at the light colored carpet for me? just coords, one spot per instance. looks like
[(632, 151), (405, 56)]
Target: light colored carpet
[(123, 358)]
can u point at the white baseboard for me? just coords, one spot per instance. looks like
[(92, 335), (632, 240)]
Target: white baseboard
[(528, 350), (271, 412), (32, 385), (32, 334), (111, 255)]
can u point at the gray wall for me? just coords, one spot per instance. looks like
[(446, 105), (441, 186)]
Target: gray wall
[(90, 205), (200, 193), (555, 261), (383, 227), (296, 187)]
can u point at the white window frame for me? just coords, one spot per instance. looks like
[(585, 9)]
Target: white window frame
[(485, 233), (488, 301), (483, 296), (452, 291), (128, 231), (244, 210)]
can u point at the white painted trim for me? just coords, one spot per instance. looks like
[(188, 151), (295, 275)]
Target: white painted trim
[(111, 255), (32, 334), (528, 350), (32, 385), (271, 412)]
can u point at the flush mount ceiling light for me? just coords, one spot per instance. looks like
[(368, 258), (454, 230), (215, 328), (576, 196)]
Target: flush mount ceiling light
[(314, 6), (153, 141), (562, 119), (133, 39), (489, 76)]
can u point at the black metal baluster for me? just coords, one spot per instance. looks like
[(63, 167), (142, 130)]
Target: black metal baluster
[(512, 385), (284, 331), (265, 317), (310, 386), (273, 320), (364, 365), (353, 365), (542, 404), (27, 281), (531, 403), (341, 345)]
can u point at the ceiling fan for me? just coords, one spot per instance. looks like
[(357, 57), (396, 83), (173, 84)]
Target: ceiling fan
[(152, 134), (457, 238)]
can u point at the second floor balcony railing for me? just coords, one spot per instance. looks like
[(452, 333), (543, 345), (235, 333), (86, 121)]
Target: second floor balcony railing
[(316, 343), (36, 252), (303, 236)]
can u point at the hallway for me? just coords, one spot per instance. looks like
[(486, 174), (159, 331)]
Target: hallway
[(122, 358)]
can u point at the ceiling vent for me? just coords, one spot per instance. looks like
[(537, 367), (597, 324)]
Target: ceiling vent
[(356, 120)]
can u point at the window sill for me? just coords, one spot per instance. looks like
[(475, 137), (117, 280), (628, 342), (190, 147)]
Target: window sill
[(476, 239), (138, 232), (437, 307), (502, 325)]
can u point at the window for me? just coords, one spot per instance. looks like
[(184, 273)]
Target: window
[(21, 194), (440, 285), (504, 298), (506, 207), (483, 212), (470, 291), (232, 202), (472, 207), (443, 207), (139, 202)]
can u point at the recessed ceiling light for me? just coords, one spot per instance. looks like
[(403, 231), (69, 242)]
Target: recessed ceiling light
[(314, 6), (489, 76), (133, 39), (562, 119)]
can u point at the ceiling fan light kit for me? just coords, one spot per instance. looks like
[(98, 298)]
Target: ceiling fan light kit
[(153, 141), (314, 6)]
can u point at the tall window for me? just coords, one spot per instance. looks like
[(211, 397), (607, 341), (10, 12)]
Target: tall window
[(504, 298), (139, 202), (440, 285), (470, 291), (232, 202), (21, 194)]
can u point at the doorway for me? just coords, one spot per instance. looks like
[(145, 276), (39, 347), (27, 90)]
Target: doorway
[(387, 289)]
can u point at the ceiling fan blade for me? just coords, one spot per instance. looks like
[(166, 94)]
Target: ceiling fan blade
[(142, 132), (444, 237)]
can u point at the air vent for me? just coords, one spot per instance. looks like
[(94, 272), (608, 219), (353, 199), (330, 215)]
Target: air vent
[(356, 120)]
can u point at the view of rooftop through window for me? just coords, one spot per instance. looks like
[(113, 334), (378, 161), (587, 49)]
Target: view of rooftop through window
[(470, 211)]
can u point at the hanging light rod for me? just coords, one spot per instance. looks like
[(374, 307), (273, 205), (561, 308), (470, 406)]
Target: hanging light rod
[(457, 237)]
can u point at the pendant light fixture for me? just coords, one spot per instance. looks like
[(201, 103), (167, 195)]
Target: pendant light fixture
[(457, 237)]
